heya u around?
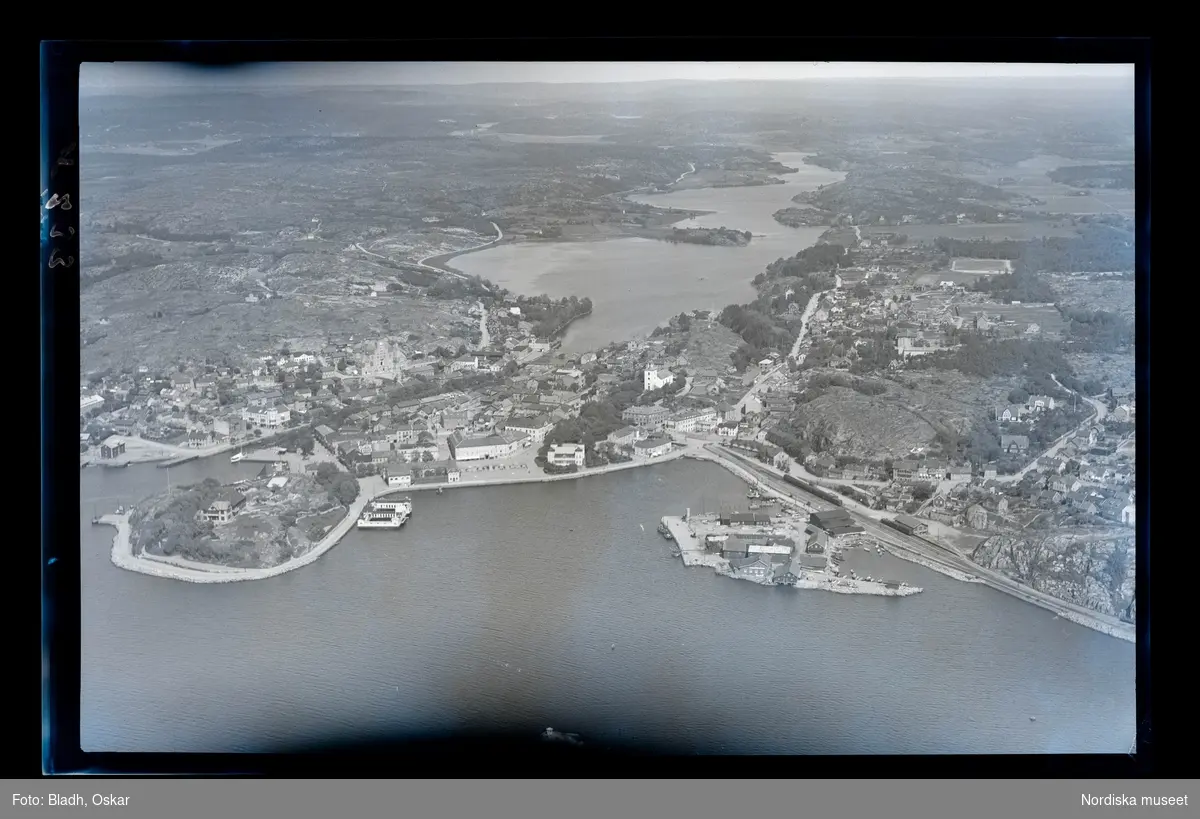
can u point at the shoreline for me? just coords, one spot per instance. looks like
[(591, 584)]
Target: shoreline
[(123, 557), (194, 572), (1091, 620), (442, 263), (693, 554), (439, 263)]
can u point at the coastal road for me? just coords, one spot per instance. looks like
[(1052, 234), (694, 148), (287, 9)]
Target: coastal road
[(425, 262), (796, 468), (943, 556)]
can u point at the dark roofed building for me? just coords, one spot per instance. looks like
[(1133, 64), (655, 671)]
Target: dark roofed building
[(911, 525), (824, 527), (745, 519)]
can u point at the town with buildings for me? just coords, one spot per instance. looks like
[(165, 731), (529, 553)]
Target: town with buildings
[(974, 392), (517, 408)]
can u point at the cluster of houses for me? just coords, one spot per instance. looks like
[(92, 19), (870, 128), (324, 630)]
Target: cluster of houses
[(1035, 405)]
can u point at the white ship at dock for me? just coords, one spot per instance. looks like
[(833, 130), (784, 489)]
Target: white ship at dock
[(385, 515), (396, 505)]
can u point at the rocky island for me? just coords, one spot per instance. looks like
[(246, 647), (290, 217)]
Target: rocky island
[(257, 524), (804, 217), (721, 237)]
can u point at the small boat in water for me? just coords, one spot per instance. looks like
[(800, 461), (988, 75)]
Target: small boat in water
[(237, 457), (753, 494), (559, 736)]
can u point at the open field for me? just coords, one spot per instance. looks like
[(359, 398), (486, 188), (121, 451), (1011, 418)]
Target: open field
[(1003, 230), (988, 267), (1045, 316), (959, 277)]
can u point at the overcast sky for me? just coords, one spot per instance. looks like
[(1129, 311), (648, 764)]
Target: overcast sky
[(113, 75)]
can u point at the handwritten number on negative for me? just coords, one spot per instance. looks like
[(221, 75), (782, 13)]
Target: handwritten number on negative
[(62, 203), (55, 261)]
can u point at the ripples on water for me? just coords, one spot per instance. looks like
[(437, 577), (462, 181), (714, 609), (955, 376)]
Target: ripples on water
[(499, 607)]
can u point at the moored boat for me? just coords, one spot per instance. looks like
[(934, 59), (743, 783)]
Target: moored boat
[(394, 506), (381, 519)]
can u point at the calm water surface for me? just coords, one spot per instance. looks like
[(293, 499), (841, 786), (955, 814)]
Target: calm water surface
[(637, 284), (499, 606)]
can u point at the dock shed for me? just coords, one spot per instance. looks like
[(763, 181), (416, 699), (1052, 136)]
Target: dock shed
[(910, 525)]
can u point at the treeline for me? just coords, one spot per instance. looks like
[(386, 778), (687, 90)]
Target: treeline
[(452, 287), (821, 258), (549, 317), (760, 330)]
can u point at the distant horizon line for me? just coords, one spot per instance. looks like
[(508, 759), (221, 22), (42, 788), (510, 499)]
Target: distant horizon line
[(275, 83)]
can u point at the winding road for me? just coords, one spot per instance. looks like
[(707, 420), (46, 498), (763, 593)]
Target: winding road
[(424, 263), (809, 310), (691, 170)]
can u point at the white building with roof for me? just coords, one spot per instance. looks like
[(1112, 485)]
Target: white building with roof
[(655, 378), (570, 454)]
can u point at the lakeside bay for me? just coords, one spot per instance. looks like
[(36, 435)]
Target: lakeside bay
[(636, 284)]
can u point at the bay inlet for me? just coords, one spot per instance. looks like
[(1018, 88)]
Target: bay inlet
[(559, 604)]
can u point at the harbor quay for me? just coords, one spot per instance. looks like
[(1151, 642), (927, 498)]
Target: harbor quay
[(775, 550)]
